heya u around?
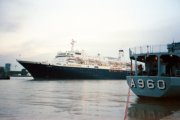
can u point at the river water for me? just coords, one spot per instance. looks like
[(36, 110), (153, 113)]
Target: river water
[(23, 98)]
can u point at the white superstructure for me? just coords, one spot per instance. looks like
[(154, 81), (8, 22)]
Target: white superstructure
[(81, 59)]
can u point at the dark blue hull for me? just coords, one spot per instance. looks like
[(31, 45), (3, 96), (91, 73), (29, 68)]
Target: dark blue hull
[(42, 71)]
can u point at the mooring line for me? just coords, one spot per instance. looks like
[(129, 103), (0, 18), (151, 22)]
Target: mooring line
[(127, 103)]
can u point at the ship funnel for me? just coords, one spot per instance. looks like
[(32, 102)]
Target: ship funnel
[(121, 55)]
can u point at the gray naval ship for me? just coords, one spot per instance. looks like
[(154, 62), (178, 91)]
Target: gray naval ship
[(161, 75)]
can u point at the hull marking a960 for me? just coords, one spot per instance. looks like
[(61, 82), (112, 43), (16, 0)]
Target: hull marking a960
[(150, 84)]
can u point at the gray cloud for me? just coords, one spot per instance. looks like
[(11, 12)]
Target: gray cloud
[(39, 29), (12, 14)]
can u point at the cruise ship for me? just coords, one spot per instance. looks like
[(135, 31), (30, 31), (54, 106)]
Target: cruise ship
[(76, 64)]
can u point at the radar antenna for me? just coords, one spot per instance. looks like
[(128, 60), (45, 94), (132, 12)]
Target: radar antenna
[(72, 49)]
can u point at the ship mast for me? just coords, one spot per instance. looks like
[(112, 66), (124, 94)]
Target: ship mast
[(72, 48)]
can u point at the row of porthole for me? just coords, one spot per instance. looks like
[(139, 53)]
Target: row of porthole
[(115, 71)]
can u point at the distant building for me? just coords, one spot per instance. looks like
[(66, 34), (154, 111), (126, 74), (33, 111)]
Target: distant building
[(28, 74), (8, 67), (2, 70), (23, 72)]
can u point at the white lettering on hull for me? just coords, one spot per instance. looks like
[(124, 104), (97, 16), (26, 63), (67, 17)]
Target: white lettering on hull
[(163, 84), (133, 83), (150, 84), (141, 83)]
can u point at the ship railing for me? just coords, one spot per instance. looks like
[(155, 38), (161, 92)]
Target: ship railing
[(177, 73), (160, 48), (177, 51)]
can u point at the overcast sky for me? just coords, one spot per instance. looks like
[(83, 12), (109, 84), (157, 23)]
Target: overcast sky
[(38, 29)]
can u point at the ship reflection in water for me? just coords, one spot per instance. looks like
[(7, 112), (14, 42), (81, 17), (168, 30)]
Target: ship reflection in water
[(26, 99), (153, 109)]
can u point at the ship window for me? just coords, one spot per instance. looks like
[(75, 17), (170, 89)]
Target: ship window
[(78, 53)]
